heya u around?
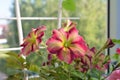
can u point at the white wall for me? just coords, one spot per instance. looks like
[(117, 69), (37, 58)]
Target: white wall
[(118, 19), (114, 21), (113, 18)]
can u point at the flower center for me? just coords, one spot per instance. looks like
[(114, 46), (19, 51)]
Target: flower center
[(66, 44), (33, 39)]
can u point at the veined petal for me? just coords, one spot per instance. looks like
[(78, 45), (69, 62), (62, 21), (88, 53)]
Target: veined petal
[(25, 50), (68, 25), (53, 45), (65, 55), (78, 40), (40, 30), (72, 34), (59, 34), (80, 49)]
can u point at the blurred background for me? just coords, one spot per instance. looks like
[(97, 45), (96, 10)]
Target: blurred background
[(17, 17)]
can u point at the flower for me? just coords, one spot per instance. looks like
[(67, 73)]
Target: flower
[(67, 45), (64, 47), (118, 50), (115, 75), (109, 43), (92, 61), (68, 25), (32, 41)]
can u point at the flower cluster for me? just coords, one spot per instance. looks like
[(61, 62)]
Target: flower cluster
[(70, 48)]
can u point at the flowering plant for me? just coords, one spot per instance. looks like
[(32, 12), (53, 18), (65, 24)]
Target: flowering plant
[(68, 57)]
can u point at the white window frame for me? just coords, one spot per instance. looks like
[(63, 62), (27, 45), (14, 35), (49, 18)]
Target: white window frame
[(19, 19)]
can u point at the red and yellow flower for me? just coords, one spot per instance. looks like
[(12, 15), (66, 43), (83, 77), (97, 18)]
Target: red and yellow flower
[(93, 61), (67, 45), (32, 41)]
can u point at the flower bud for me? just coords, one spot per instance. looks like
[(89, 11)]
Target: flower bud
[(109, 43)]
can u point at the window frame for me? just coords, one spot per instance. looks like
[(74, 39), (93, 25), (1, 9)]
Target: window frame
[(19, 19)]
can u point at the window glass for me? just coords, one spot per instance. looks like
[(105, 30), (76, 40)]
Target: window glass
[(9, 35), (39, 8), (6, 8)]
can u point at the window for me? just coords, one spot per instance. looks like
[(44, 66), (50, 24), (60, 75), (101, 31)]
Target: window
[(19, 16)]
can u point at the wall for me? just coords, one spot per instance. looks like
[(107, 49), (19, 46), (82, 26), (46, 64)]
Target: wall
[(118, 19)]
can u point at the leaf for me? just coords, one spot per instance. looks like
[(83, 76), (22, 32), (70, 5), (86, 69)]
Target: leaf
[(14, 61), (69, 5), (34, 68), (94, 73), (15, 55), (77, 74), (15, 75), (116, 56), (116, 41)]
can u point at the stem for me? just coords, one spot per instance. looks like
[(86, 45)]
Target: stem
[(25, 69), (25, 74), (69, 75), (85, 76)]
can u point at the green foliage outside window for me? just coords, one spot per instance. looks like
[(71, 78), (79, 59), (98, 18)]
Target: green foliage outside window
[(92, 14)]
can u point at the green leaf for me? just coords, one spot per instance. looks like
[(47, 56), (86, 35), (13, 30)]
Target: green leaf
[(94, 73), (34, 68), (15, 55), (69, 5), (116, 41), (77, 74), (15, 75), (115, 56), (14, 61)]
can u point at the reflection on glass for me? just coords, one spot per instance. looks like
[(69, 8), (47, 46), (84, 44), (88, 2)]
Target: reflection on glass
[(39, 8), (8, 34), (6, 8)]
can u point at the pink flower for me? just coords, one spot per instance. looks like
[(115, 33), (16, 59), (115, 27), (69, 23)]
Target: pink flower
[(32, 41), (68, 25), (118, 50), (115, 75), (67, 45), (109, 43), (90, 61)]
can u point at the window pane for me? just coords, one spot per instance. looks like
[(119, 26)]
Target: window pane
[(6, 8), (8, 35), (85, 8), (93, 20), (39, 8), (94, 33), (28, 25)]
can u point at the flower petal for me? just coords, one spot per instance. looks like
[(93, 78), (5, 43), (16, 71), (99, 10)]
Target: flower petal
[(115, 75), (54, 45), (72, 34), (67, 26), (59, 34), (80, 48), (65, 55), (118, 50)]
